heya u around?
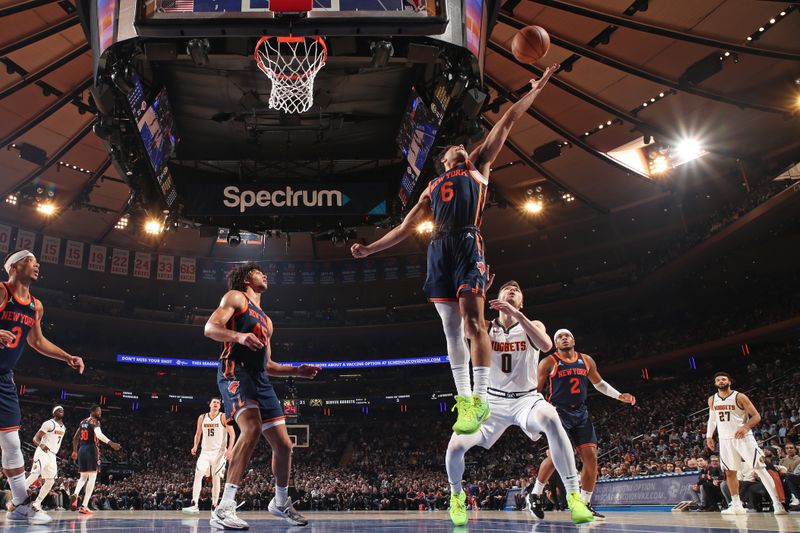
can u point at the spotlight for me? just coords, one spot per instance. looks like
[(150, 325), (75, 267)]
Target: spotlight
[(659, 165), (198, 50), (425, 227), (48, 209), (122, 223), (153, 227), (234, 237), (532, 206), (11, 199), (381, 52), (688, 149)]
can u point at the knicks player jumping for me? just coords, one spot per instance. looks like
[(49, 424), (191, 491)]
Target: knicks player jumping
[(569, 374), (86, 450), (250, 400), (733, 414), (516, 344), (48, 441), (20, 322), (456, 277), (214, 431)]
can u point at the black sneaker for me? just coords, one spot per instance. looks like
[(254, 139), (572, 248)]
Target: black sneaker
[(597, 516), (535, 505)]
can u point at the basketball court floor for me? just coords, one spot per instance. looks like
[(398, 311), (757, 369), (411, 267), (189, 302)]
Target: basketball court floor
[(418, 522)]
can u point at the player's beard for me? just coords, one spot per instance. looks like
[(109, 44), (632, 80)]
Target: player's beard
[(724, 388)]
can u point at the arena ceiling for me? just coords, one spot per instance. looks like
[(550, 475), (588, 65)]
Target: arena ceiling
[(745, 116)]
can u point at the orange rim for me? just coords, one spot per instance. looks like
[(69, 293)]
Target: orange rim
[(290, 39)]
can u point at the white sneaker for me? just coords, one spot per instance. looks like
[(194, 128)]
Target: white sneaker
[(734, 510), (287, 512), (794, 501), (779, 510), (27, 512), (224, 517), (192, 509)]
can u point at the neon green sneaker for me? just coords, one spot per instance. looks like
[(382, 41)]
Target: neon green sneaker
[(458, 508), (581, 514), (482, 413), (466, 423)]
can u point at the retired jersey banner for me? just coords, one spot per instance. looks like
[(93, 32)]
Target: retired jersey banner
[(5, 238), (166, 266), (349, 271), (74, 254), (391, 269), (208, 270), (187, 270), (25, 240), (97, 258), (141, 265), (120, 259), (266, 199), (288, 273), (51, 247), (308, 273), (414, 266), (327, 274)]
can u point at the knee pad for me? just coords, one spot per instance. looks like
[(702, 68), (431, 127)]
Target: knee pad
[(12, 453)]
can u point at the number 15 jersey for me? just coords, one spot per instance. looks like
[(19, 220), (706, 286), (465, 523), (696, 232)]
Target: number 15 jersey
[(514, 359)]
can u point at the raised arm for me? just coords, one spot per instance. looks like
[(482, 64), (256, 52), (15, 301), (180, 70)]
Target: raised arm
[(753, 416), (418, 214), (484, 155), (605, 388), (39, 342), (534, 329), (105, 440), (543, 374), (711, 425), (198, 433), (215, 329)]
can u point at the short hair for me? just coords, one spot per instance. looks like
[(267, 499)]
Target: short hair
[(214, 398), (93, 408), (239, 274), (509, 283), (718, 374)]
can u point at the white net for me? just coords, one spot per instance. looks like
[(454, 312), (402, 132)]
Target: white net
[(291, 64)]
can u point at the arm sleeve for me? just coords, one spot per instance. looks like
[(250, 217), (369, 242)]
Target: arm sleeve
[(100, 436), (607, 389), (711, 425)]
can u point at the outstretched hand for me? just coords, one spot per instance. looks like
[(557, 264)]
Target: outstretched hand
[(308, 371), (538, 85), (627, 398)]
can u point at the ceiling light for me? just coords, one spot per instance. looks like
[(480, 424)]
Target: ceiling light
[(425, 227), (46, 208), (122, 223), (659, 165), (532, 206), (11, 199), (153, 227), (688, 149)]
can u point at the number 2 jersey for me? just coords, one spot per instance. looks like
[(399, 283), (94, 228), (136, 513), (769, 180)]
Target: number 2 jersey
[(250, 319), (569, 382), (729, 416), (18, 317), (514, 359)]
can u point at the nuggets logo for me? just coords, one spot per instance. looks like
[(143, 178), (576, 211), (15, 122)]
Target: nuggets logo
[(481, 267), (233, 387)]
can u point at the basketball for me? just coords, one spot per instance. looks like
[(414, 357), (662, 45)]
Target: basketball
[(530, 44)]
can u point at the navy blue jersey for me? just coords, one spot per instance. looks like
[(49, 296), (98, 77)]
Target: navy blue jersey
[(86, 434), (250, 319), (18, 317), (569, 382), (458, 197)]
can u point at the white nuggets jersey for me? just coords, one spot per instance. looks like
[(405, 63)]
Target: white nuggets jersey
[(53, 434), (514, 359), (213, 434), (730, 416)]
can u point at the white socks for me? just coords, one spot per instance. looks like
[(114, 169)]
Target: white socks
[(538, 488), (281, 495), (87, 495), (769, 484), (230, 492), (197, 487), (461, 378), (585, 496), (480, 375), (215, 483), (19, 492), (457, 350), (44, 491), (80, 484), (735, 500)]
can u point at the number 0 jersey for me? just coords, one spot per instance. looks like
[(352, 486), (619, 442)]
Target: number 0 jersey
[(213, 433), (458, 197), (250, 319), (729, 416), (569, 382), (515, 359)]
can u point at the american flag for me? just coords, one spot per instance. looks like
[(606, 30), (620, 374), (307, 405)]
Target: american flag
[(177, 6)]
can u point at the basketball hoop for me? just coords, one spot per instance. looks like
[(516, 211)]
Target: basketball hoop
[(291, 64)]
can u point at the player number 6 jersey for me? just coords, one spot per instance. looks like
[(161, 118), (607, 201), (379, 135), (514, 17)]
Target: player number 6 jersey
[(514, 359)]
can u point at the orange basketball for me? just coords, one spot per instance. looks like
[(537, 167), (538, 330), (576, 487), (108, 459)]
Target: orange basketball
[(530, 44)]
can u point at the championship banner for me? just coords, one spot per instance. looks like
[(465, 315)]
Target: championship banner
[(119, 261), (141, 265), (208, 270), (97, 258), (224, 199), (370, 271), (664, 489), (187, 270), (5, 238), (348, 272), (271, 271), (166, 266), (25, 239), (413, 266), (289, 274), (308, 274), (74, 254), (51, 247), (327, 274), (391, 269)]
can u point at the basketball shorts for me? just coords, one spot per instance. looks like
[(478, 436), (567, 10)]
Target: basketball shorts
[(209, 464), (242, 388), (456, 265), (507, 412), (734, 452), (10, 416), (578, 424), (44, 464), (88, 458)]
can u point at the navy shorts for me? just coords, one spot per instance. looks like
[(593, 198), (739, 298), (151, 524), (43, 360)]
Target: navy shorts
[(578, 424), (10, 416), (88, 458), (455, 264), (241, 387)]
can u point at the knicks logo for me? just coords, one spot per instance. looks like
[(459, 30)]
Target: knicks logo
[(233, 387), (481, 267)]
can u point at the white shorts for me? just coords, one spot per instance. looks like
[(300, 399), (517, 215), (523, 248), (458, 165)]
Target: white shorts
[(211, 464), (44, 464), (733, 452), (507, 412)]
